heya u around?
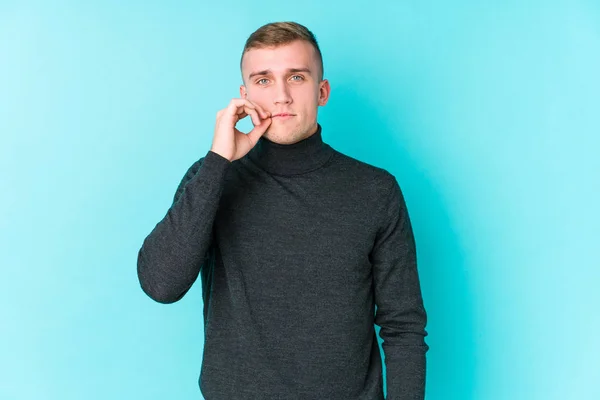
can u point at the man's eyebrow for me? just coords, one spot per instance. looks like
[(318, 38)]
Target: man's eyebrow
[(268, 71)]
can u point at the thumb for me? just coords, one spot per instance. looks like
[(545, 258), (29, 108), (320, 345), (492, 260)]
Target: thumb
[(259, 130)]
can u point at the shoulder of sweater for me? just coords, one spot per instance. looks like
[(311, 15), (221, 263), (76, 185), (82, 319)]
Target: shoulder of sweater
[(362, 168)]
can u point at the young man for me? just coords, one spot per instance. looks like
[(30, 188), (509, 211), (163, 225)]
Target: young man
[(295, 242)]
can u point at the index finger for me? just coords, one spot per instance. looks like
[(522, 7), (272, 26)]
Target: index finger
[(264, 114)]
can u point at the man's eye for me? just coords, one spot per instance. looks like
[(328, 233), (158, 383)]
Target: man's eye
[(260, 80), (298, 76)]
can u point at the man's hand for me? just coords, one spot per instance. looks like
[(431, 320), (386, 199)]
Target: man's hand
[(230, 142)]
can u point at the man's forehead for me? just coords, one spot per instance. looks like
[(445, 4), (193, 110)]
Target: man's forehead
[(278, 59)]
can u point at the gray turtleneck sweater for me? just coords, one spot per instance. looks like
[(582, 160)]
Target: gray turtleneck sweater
[(301, 250)]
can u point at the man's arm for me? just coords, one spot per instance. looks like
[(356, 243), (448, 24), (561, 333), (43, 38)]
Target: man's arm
[(400, 311), (171, 256)]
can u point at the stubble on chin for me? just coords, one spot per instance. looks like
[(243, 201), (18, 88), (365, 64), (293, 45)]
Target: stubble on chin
[(281, 136)]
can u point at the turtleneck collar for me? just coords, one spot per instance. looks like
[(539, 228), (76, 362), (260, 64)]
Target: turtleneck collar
[(291, 159)]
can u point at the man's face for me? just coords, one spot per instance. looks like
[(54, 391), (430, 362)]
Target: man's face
[(285, 79)]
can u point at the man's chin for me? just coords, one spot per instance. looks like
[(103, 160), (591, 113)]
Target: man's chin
[(280, 136), (277, 133)]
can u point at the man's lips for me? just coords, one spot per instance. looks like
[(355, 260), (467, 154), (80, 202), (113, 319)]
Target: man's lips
[(283, 115)]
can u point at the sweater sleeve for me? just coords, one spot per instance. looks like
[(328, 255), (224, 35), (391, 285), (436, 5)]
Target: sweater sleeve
[(400, 312), (172, 255)]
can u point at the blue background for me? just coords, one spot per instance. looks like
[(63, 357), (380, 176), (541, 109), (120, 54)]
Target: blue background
[(488, 114)]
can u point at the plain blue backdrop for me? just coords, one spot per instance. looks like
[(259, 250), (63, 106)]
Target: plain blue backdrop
[(488, 114)]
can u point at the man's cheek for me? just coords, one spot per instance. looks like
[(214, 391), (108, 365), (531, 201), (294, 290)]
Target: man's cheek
[(262, 104), (258, 100)]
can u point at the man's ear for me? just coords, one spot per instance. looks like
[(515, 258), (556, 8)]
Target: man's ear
[(324, 90), (243, 93)]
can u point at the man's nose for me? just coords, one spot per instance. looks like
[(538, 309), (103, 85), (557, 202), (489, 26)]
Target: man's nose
[(282, 96)]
